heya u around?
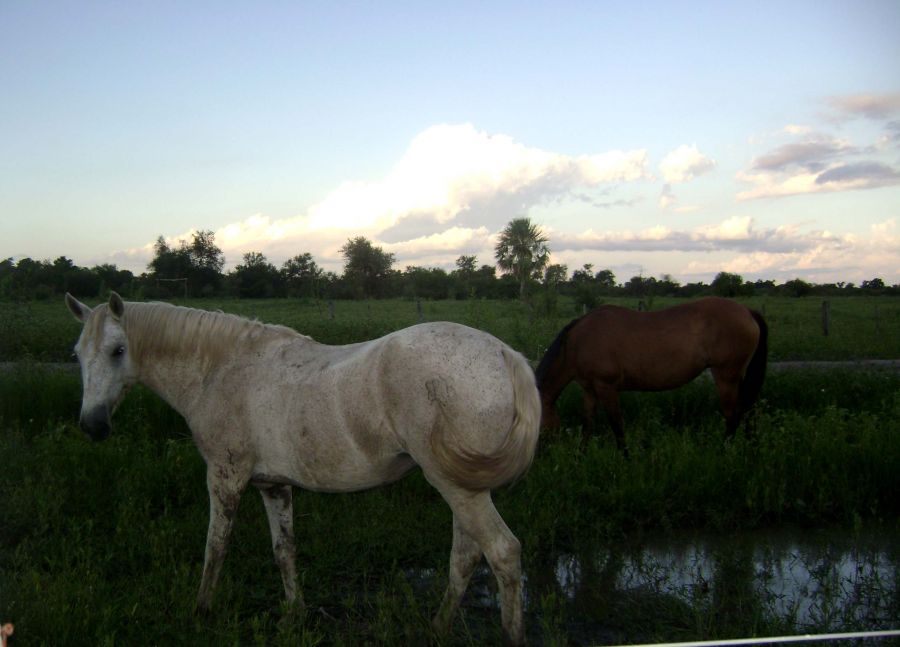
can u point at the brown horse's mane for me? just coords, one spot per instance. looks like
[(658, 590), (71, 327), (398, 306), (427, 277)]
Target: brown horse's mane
[(553, 351)]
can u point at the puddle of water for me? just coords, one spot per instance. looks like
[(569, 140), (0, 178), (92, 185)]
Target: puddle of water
[(827, 581), (798, 581)]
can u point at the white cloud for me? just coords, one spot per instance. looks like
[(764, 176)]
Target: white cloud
[(667, 199), (797, 129), (684, 164), (871, 106), (735, 228), (737, 233), (455, 187), (452, 179), (816, 162), (442, 248), (820, 257)]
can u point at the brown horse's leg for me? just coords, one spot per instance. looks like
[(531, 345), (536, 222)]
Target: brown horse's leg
[(728, 385), (609, 398), (588, 412)]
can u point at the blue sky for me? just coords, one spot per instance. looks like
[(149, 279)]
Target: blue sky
[(680, 138)]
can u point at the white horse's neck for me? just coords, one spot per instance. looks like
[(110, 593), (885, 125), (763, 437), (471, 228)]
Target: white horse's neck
[(176, 350)]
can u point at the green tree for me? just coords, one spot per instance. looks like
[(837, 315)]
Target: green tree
[(204, 252), (606, 281), (302, 276), (555, 275), (639, 286), (875, 285), (426, 282), (584, 275), (199, 261), (727, 284), (667, 286), (256, 277), (522, 251), (112, 278), (466, 264), (797, 288), (366, 267)]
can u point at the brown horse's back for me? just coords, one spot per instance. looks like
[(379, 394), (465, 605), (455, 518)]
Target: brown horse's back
[(664, 349)]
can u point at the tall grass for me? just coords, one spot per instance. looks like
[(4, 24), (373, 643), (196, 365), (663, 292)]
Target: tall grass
[(103, 542)]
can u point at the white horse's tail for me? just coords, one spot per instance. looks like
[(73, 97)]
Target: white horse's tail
[(512, 458)]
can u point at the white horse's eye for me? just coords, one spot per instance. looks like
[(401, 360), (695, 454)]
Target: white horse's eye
[(119, 351)]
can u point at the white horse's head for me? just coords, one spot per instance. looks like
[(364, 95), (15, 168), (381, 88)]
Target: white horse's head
[(106, 368)]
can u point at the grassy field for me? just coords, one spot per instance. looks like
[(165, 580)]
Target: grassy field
[(103, 543), (860, 327)]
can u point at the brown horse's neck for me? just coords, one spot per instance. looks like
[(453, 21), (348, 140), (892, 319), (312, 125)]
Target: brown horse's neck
[(553, 374), (553, 380)]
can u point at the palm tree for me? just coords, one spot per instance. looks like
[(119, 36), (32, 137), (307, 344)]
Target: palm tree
[(522, 251)]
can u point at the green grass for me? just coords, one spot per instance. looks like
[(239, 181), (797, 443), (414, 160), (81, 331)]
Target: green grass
[(102, 543), (861, 327), (102, 540)]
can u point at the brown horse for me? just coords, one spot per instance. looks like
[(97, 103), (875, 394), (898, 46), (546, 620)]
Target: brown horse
[(614, 349)]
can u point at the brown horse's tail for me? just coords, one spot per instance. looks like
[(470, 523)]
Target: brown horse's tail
[(752, 383), (512, 458)]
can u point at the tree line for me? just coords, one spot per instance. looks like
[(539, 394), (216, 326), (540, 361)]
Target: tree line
[(194, 268)]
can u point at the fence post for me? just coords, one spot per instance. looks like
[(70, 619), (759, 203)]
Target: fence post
[(419, 309), (331, 309), (826, 317)]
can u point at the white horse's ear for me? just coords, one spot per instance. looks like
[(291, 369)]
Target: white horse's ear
[(77, 308), (116, 306)]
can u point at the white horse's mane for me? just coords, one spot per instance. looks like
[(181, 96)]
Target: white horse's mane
[(162, 329)]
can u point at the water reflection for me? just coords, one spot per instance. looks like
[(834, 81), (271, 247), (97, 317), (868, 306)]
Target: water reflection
[(789, 581)]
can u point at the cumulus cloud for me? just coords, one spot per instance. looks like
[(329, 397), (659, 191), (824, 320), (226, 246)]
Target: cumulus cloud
[(684, 164), (667, 198), (737, 233), (861, 175), (817, 163), (812, 155), (452, 181), (679, 166), (871, 106), (824, 259)]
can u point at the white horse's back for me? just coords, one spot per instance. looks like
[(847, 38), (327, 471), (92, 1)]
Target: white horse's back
[(338, 418)]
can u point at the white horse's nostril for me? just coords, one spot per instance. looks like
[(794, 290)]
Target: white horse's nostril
[(95, 423)]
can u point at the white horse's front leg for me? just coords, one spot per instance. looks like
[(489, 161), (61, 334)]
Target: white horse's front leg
[(280, 512), (224, 496)]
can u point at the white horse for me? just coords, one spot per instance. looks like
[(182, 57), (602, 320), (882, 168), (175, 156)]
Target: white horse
[(274, 408)]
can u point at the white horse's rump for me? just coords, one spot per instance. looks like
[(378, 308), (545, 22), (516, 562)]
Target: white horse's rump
[(271, 407)]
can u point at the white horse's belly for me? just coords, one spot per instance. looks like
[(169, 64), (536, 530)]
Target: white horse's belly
[(345, 476)]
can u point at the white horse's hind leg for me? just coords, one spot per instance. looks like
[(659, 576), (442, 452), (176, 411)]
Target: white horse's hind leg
[(478, 518), (464, 557), (280, 512)]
